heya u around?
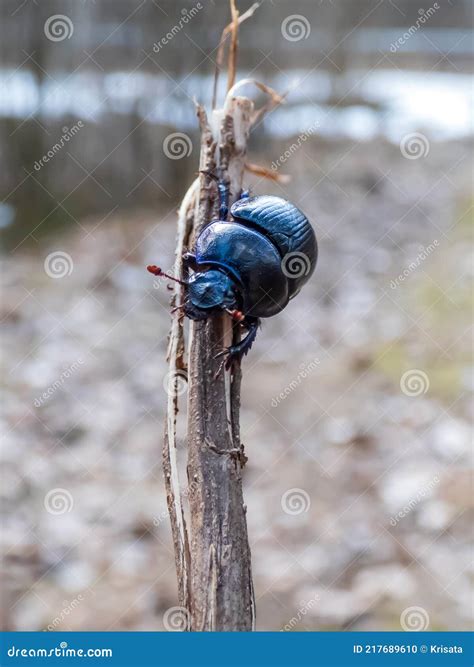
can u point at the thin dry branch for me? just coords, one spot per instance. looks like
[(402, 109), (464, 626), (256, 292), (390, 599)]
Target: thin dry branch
[(213, 564), (264, 172), (220, 50), (223, 597), (221, 584), (234, 42)]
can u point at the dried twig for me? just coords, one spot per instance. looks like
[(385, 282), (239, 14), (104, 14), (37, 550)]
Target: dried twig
[(221, 595), (264, 172), (234, 41), (275, 98), (220, 50)]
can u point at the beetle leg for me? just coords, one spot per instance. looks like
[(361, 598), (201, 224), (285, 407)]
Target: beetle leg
[(223, 188), (241, 348), (209, 173), (234, 353), (189, 260), (224, 194)]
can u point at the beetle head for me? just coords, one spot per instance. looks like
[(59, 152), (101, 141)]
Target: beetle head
[(208, 291)]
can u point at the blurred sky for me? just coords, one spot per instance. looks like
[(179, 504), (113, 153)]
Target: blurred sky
[(347, 66)]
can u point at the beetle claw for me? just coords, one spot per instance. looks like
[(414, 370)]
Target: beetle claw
[(231, 359), (223, 363), (218, 372)]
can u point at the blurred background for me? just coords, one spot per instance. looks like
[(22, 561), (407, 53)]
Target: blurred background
[(355, 401)]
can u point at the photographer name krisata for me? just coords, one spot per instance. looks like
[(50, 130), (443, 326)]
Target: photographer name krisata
[(441, 648)]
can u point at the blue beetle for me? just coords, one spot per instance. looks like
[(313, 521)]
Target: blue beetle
[(249, 266)]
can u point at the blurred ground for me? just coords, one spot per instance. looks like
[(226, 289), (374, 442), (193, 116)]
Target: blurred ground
[(357, 486)]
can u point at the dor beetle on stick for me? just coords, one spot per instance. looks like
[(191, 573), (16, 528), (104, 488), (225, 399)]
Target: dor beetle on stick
[(249, 266)]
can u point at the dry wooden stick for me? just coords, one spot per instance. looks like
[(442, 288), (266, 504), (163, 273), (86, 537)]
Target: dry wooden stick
[(213, 566), (234, 42), (220, 50), (221, 594)]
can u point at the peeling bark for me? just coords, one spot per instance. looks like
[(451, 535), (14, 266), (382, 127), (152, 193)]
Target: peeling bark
[(175, 359)]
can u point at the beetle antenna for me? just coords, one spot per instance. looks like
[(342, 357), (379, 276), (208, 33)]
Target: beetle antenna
[(157, 271)]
